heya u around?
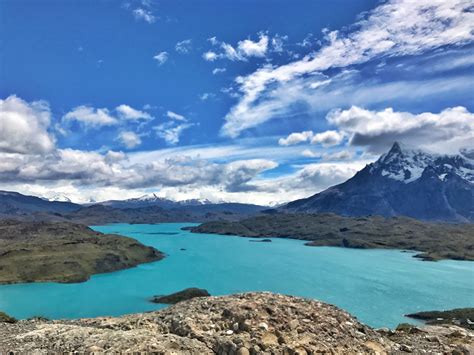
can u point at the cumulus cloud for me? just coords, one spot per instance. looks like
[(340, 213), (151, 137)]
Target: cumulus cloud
[(161, 58), (130, 113), (24, 126), (183, 47), (249, 48), (129, 139), (90, 116), (395, 28), (210, 56), (296, 138), (447, 131), (144, 15), (328, 138), (84, 169)]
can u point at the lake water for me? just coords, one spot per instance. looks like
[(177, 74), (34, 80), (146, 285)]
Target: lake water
[(377, 286)]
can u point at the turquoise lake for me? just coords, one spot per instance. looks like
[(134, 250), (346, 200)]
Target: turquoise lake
[(377, 286)]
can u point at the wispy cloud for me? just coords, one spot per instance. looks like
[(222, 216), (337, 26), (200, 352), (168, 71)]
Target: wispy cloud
[(216, 71), (184, 46), (161, 58), (396, 28), (175, 116), (242, 51), (144, 14)]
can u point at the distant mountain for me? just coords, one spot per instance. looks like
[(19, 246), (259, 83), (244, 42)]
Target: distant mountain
[(403, 182), (147, 209), (152, 200), (14, 203), (100, 214), (59, 198)]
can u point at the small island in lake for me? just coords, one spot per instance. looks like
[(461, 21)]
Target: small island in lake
[(180, 296), (64, 252)]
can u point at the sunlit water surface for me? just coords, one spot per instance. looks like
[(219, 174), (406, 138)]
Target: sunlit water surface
[(377, 286)]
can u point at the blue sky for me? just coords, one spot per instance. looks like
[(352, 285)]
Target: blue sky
[(251, 101)]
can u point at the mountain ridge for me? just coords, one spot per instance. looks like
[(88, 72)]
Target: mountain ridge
[(401, 182)]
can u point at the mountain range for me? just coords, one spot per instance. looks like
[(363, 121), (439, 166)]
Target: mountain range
[(146, 209), (402, 182)]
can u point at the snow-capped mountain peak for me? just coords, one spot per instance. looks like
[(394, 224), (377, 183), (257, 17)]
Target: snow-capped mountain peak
[(407, 165), (59, 198)]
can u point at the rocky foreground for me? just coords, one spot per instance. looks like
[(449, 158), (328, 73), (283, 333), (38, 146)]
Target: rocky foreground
[(251, 323)]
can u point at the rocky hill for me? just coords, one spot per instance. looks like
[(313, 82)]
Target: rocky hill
[(402, 182), (16, 204), (252, 323), (64, 252)]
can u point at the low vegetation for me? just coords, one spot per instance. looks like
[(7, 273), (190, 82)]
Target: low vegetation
[(5, 318), (434, 241), (64, 252), (463, 317)]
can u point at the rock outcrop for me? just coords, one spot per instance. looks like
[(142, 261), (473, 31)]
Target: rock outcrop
[(251, 323), (180, 296)]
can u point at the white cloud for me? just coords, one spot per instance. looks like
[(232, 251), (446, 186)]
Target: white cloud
[(249, 48), (206, 96), (328, 138), (183, 47), (90, 116), (244, 49), (210, 56), (231, 53), (129, 139), (296, 138), (24, 126), (395, 28), (278, 42), (340, 155), (143, 14), (130, 113), (218, 70), (308, 153), (161, 58), (213, 40), (171, 132), (175, 116), (447, 131)]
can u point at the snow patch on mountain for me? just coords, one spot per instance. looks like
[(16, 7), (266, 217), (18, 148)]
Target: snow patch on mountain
[(407, 165)]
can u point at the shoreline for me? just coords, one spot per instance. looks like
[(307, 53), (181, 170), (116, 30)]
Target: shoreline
[(242, 323), (428, 241)]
